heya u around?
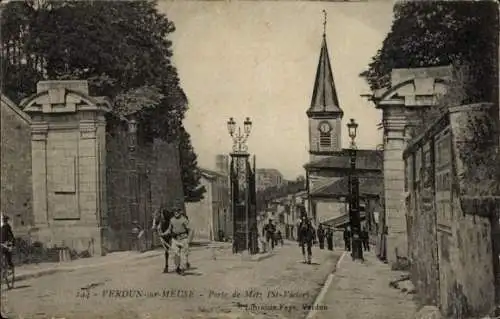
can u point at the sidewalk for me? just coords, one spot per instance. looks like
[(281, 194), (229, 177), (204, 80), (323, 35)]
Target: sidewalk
[(33, 271), (361, 291)]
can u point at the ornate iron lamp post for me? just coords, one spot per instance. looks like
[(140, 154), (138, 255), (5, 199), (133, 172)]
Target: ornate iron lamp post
[(354, 215), (239, 176)]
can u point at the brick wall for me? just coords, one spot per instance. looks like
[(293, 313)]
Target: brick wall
[(16, 187)]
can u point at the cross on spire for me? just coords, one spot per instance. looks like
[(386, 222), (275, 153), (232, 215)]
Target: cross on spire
[(324, 22)]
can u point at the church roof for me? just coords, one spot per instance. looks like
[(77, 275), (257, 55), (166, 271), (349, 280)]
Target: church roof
[(365, 160), (340, 187), (324, 98)]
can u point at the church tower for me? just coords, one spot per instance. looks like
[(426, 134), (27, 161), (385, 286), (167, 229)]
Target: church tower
[(325, 115)]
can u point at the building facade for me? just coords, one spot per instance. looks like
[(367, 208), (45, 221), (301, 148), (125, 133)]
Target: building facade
[(268, 177), (211, 217)]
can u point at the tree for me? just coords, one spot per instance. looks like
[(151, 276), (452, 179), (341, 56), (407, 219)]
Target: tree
[(121, 48), (461, 33), (190, 172)]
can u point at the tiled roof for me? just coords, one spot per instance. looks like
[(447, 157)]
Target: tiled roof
[(365, 160), (324, 98), (340, 187), (342, 220)]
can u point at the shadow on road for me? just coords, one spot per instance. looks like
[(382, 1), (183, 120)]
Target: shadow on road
[(20, 287), (189, 273)]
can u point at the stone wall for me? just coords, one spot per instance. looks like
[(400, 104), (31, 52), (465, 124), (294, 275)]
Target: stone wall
[(140, 180), (450, 229), (15, 152)]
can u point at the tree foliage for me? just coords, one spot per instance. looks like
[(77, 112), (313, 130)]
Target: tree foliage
[(191, 174), (427, 33), (121, 47)]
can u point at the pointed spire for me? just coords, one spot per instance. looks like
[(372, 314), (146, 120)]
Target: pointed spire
[(324, 98), (324, 24)]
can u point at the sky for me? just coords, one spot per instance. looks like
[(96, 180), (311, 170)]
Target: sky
[(258, 59)]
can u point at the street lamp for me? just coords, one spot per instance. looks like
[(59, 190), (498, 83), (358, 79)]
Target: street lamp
[(354, 215), (239, 137), (352, 128), (239, 158)]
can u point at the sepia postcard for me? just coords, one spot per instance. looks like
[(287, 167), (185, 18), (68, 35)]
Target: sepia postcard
[(250, 159)]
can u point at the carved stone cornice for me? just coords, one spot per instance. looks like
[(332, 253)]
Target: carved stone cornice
[(39, 131), (88, 129)]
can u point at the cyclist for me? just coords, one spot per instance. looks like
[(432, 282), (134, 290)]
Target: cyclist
[(7, 237)]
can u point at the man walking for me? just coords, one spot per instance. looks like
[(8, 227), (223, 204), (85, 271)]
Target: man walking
[(180, 232), (365, 239), (329, 238), (307, 235), (321, 237), (7, 238), (347, 238), (268, 232)]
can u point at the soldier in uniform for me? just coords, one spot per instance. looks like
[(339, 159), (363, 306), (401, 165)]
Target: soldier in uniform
[(180, 233)]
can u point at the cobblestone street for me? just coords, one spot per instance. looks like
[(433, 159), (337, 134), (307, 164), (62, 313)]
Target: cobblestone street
[(281, 282)]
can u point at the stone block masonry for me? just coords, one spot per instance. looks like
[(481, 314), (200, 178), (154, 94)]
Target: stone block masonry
[(67, 174), (15, 152), (452, 247)]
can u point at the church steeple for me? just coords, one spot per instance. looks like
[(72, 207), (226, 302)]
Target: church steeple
[(324, 98), (325, 114)]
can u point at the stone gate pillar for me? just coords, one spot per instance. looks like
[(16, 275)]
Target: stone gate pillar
[(69, 165), (411, 91)]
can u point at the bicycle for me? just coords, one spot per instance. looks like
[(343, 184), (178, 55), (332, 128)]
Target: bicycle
[(7, 272)]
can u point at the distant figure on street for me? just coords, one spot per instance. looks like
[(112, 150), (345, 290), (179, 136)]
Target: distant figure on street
[(329, 238), (279, 238), (347, 238), (161, 223), (221, 235), (321, 237), (307, 234), (365, 239), (268, 232)]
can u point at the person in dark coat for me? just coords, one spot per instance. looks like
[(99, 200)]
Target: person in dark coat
[(307, 234), (269, 232), (347, 238), (7, 238), (279, 238), (329, 238), (365, 239), (321, 237)]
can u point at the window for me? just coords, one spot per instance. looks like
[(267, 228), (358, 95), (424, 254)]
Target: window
[(325, 139)]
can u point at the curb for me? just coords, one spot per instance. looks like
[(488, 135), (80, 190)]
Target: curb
[(324, 289), (50, 271)]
